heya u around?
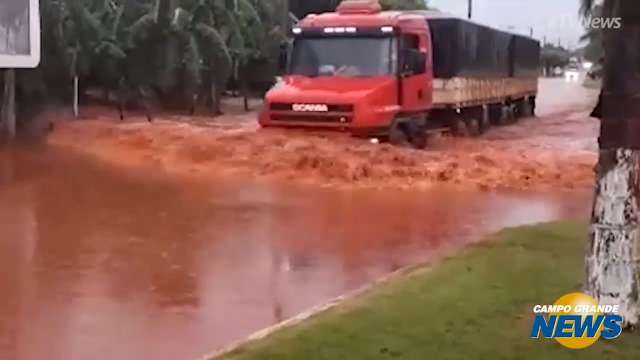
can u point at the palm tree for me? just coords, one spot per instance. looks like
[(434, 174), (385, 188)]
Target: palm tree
[(249, 28), (593, 50), (612, 258)]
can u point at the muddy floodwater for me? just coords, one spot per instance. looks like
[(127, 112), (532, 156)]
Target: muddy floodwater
[(111, 249), (100, 263)]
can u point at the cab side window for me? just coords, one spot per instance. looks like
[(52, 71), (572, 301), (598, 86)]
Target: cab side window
[(410, 41), (410, 50)]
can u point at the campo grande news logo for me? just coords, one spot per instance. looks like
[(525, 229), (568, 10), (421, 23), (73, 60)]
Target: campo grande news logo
[(576, 321)]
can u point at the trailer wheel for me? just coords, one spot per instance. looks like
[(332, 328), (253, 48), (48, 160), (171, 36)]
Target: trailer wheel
[(473, 127), (507, 116), (485, 121), (525, 108), (459, 127), (532, 105)]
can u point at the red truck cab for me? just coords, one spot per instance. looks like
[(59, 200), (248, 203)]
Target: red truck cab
[(356, 70)]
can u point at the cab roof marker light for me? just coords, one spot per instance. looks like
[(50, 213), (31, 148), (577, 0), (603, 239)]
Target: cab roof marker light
[(329, 30), (296, 30), (351, 29), (387, 29), (339, 29)]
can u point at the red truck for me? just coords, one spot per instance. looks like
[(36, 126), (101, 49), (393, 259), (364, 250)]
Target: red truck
[(397, 75)]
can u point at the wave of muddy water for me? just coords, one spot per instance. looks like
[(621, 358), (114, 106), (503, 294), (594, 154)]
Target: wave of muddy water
[(554, 151)]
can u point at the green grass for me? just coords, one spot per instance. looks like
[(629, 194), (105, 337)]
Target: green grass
[(474, 306)]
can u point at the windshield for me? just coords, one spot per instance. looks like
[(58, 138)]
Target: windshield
[(343, 56)]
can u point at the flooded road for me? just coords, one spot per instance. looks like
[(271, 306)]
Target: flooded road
[(98, 263)]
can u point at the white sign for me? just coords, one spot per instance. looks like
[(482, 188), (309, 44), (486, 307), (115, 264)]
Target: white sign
[(19, 33)]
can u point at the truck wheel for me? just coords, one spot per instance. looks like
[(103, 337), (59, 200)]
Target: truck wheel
[(525, 108), (459, 127), (532, 105), (417, 134), (485, 122), (473, 127), (507, 115), (397, 134)]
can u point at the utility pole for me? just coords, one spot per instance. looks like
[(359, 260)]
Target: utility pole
[(8, 111), (470, 9)]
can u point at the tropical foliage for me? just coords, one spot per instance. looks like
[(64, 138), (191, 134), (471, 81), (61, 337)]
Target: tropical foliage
[(174, 50), (553, 56), (593, 50)]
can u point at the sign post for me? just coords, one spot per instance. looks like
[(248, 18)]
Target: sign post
[(19, 48)]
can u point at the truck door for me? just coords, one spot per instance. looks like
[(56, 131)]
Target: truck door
[(415, 87)]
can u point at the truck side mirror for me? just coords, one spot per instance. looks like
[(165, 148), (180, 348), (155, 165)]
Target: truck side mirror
[(283, 58)]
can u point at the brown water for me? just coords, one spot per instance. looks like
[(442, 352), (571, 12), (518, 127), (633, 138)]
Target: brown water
[(100, 264)]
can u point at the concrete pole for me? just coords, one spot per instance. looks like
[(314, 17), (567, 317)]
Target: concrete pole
[(8, 113), (613, 252)]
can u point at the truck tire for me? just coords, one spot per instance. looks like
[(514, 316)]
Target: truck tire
[(473, 127), (408, 132), (459, 127), (485, 121), (417, 134), (532, 105), (397, 134), (525, 108), (507, 115)]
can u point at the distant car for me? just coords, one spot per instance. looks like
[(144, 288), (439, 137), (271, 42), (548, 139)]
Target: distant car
[(572, 73)]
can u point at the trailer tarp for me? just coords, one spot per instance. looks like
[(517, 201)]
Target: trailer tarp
[(463, 48), (525, 57)]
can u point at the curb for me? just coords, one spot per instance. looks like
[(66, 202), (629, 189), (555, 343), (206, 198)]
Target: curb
[(316, 310)]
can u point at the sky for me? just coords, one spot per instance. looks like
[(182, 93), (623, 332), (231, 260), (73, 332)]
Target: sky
[(557, 20)]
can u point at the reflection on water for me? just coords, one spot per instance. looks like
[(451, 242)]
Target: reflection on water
[(99, 264)]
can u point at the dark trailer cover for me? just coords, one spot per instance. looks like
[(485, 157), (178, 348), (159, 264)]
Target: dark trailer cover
[(464, 48)]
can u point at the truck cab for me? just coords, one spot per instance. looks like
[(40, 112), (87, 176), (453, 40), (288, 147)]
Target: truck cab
[(357, 69)]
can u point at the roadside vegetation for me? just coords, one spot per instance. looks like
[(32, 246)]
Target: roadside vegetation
[(473, 306)]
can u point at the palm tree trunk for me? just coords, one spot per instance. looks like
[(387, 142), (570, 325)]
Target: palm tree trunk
[(245, 92), (613, 253), (76, 95), (216, 94), (8, 114)]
